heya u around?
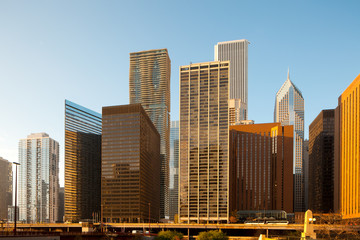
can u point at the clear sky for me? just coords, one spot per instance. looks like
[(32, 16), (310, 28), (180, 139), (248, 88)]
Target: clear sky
[(79, 50)]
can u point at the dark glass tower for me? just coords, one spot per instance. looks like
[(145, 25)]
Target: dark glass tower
[(82, 162), (130, 172)]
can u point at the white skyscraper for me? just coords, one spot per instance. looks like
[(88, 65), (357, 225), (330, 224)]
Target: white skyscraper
[(237, 53), (289, 110), (39, 178)]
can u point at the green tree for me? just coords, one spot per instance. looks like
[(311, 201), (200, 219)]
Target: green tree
[(212, 235), (169, 235)]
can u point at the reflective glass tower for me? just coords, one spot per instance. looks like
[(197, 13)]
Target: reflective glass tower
[(174, 169), (39, 179), (82, 162), (237, 53), (149, 84), (289, 110), (204, 137)]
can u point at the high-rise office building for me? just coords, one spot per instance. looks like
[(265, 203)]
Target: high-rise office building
[(204, 137), (61, 208), (347, 152), (130, 170), (6, 187), (39, 178), (82, 162), (289, 110), (321, 162), (261, 160), (174, 169), (149, 85), (306, 173), (237, 53)]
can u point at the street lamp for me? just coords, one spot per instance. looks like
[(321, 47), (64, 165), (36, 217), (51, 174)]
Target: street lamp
[(16, 164), (149, 217)]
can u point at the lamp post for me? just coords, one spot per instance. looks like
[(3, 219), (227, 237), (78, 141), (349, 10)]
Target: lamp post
[(16, 164)]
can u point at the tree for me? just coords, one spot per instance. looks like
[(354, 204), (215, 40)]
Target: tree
[(212, 235), (169, 235)]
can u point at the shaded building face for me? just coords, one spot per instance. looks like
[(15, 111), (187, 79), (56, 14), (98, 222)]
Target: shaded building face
[(321, 162), (82, 162), (130, 170), (347, 151), (6, 187), (289, 110), (260, 167), (204, 136), (149, 84), (174, 169), (39, 179)]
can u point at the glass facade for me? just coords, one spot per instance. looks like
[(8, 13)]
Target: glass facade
[(204, 136), (82, 162), (6, 187), (130, 165), (174, 169), (289, 110), (149, 84), (39, 179)]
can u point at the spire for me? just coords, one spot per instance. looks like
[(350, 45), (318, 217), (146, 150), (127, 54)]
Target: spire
[(288, 73)]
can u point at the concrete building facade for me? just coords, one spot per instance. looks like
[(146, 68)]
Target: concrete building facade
[(237, 53), (261, 162), (347, 152), (204, 137), (6, 187)]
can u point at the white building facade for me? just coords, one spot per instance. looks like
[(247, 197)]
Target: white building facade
[(39, 179), (237, 53), (289, 110)]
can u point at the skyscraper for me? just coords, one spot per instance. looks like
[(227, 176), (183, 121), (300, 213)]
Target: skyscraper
[(6, 187), (82, 162), (237, 53), (260, 168), (39, 178), (321, 162), (150, 85), (174, 169), (204, 137), (130, 170), (289, 110), (347, 152)]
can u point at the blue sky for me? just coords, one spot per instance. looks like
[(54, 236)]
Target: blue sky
[(79, 50)]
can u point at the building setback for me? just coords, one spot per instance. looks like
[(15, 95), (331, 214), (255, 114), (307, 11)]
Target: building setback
[(149, 84), (347, 152), (237, 53), (204, 148), (39, 179), (261, 167), (174, 169), (6, 187), (130, 172), (82, 162), (321, 162), (289, 110)]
